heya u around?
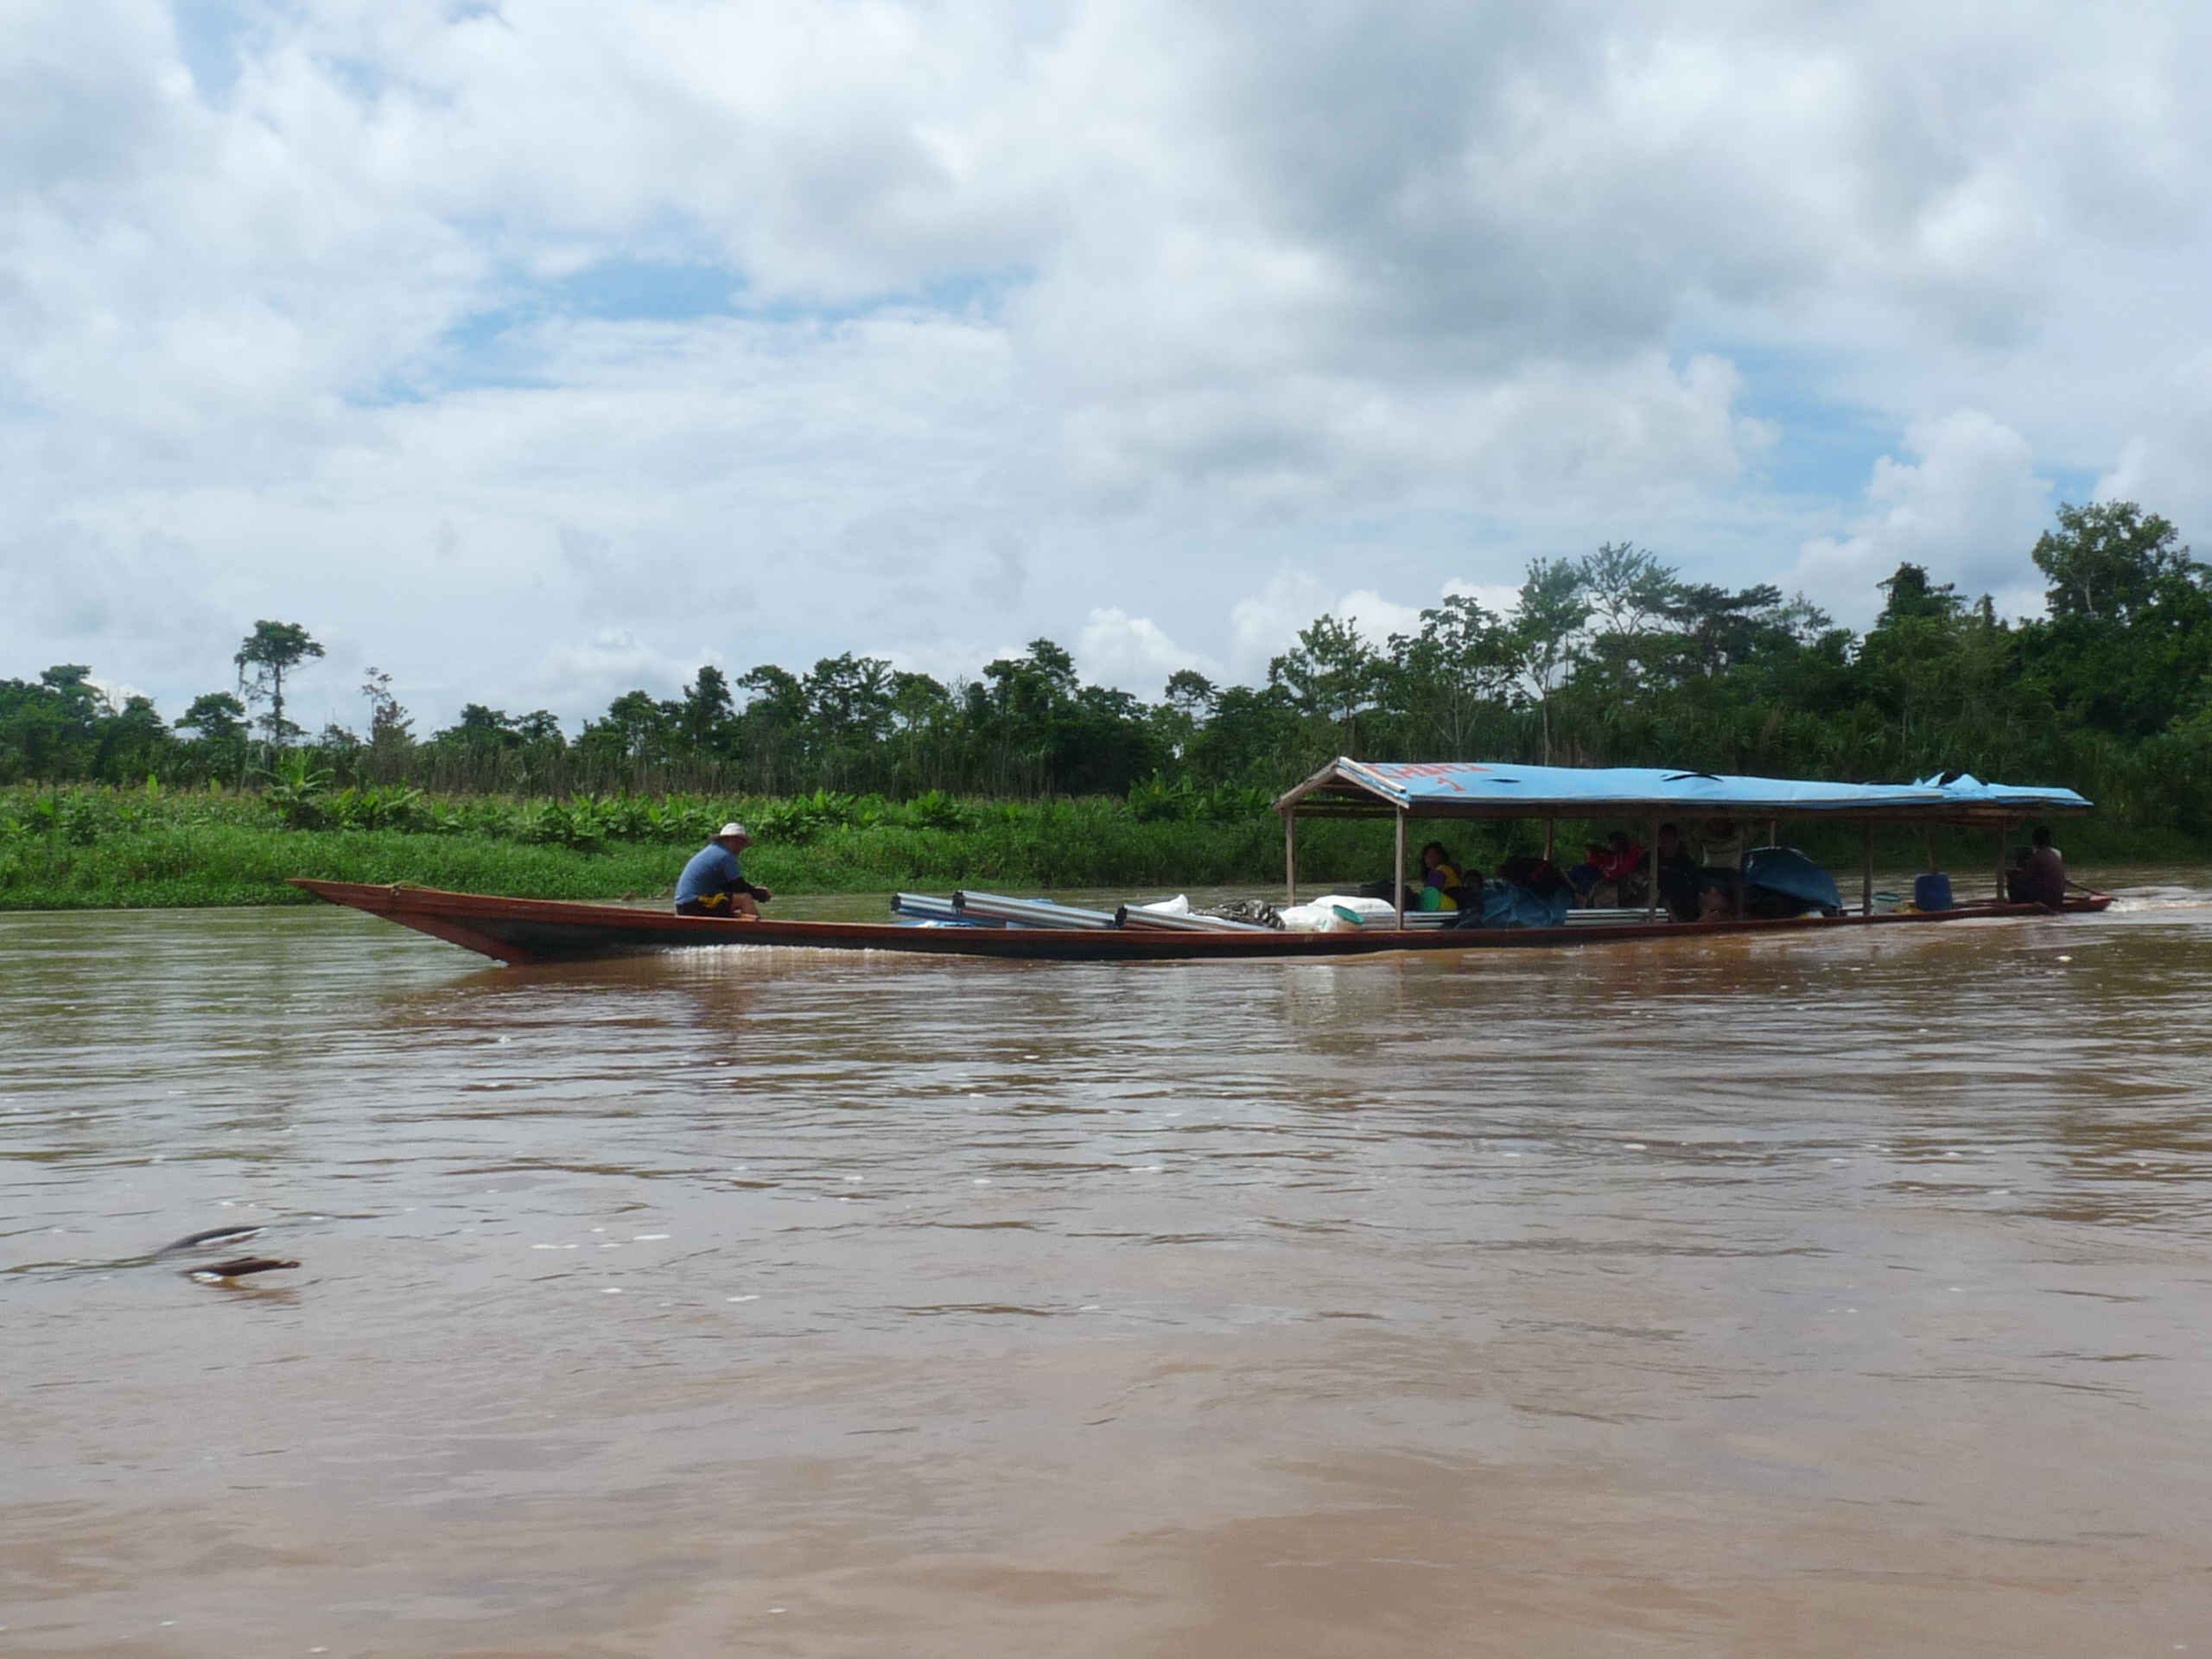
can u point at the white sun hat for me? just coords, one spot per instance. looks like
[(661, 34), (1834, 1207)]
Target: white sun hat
[(737, 830)]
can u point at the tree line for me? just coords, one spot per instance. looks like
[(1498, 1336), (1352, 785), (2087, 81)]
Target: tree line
[(1613, 659)]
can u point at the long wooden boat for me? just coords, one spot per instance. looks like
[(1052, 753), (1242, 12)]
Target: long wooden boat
[(539, 929)]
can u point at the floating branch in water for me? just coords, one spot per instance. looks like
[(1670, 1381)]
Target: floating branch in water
[(222, 1272)]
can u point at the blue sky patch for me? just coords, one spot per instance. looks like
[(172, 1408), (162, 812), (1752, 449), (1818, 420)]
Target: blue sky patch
[(1824, 448)]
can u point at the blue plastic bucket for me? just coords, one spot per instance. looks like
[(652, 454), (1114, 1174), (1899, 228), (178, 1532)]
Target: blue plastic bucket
[(1932, 892)]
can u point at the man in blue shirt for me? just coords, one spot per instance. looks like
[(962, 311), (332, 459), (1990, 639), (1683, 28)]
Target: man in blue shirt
[(713, 884)]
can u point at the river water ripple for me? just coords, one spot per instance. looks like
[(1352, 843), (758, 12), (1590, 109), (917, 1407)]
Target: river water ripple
[(1825, 1295)]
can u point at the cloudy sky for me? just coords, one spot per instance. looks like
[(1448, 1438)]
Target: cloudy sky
[(539, 349)]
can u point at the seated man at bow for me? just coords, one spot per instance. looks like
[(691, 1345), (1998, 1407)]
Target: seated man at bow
[(2040, 876), (713, 884)]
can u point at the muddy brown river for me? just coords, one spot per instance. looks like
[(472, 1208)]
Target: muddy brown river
[(1835, 1295)]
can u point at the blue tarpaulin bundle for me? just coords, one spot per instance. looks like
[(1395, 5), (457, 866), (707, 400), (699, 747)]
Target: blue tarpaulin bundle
[(1788, 873), (1507, 904)]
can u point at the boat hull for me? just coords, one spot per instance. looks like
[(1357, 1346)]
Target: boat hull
[(517, 930)]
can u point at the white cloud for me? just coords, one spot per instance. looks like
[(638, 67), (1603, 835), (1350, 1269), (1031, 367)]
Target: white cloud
[(1290, 441), (2168, 466), (118, 692), (609, 662), (1378, 618), (1134, 653), (1967, 510), (1500, 599), (1266, 623), (467, 336)]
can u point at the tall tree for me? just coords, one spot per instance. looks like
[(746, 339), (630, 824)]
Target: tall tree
[(480, 728), (1453, 677), (1189, 699), (1627, 589), (774, 723), (219, 720), (636, 726), (1941, 671), (924, 714), (848, 701), (1016, 715), (1551, 614), (216, 715), (709, 712), (272, 650), (388, 723), (2127, 648), (1190, 692), (2109, 559), (1332, 675), (132, 740), (1719, 629), (1910, 596), (50, 729)]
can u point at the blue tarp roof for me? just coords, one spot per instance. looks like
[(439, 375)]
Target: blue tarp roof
[(1473, 789)]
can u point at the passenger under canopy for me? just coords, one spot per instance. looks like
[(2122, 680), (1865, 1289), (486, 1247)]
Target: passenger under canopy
[(1467, 789)]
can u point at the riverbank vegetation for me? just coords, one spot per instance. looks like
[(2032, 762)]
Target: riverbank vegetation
[(79, 847), (855, 775)]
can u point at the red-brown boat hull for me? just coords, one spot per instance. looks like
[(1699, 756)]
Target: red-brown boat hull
[(542, 930)]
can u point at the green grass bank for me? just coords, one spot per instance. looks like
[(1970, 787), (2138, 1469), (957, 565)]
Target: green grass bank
[(103, 848), (91, 848)]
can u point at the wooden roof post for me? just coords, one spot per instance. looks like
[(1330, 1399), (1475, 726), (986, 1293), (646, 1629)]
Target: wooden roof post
[(1290, 856), (1400, 894), (1866, 888), (1651, 864)]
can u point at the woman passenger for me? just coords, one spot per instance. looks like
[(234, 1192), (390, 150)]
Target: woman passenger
[(1438, 876)]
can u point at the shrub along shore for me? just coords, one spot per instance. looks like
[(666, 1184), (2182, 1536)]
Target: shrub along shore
[(92, 848)]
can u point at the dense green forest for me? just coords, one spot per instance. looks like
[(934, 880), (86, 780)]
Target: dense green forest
[(1608, 659)]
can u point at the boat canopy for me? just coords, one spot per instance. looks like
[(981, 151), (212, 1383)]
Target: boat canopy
[(1468, 789)]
